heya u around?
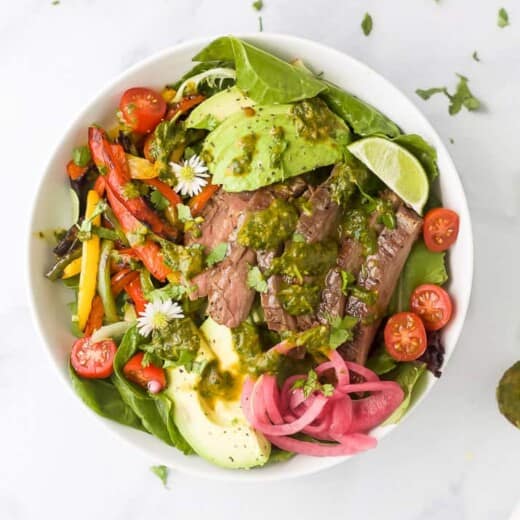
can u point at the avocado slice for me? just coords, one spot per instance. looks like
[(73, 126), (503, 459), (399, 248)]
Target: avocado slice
[(211, 112), (216, 431), (271, 143)]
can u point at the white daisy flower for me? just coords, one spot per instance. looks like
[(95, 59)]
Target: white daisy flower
[(157, 315), (191, 176)]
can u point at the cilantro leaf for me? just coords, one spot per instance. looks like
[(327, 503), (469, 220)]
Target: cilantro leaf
[(463, 97), (81, 156), (256, 280), (429, 92), (184, 213), (367, 24), (258, 4), (312, 384), (159, 201), (503, 18), (341, 330), (298, 237), (260, 24), (161, 471), (475, 56), (217, 254)]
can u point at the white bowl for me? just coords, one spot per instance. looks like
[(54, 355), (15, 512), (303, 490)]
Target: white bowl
[(51, 210)]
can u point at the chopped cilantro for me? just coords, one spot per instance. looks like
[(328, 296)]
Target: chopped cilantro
[(452, 141), (217, 254), (258, 4), (81, 156), (55, 2), (312, 384), (475, 56), (159, 201), (367, 24), (260, 24), (255, 280), (503, 18), (341, 330), (184, 213), (462, 97), (347, 279), (298, 237), (162, 472)]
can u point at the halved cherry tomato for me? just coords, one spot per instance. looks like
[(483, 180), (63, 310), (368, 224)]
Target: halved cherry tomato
[(151, 377), (74, 171), (440, 229), (433, 305), (405, 336), (93, 360), (142, 109)]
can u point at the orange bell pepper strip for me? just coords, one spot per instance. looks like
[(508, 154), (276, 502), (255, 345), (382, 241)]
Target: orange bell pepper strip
[(74, 171), (198, 202), (121, 279), (184, 105), (148, 252), (171, 196), (95, 318), (111, 159), (100, 185)]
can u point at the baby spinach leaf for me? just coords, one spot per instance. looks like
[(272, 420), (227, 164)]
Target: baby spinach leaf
[(422, 266), (363, 118), (381, 361), (425, 153), (102, 397), (262, 76), (154, 411), (367, 24), (409, 377)]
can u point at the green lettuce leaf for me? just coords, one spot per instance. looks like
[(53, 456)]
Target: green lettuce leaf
[(422, 266), (410, 378), (380, 361)]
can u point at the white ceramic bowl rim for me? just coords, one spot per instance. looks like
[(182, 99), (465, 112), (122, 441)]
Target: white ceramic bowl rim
[(461, 286)]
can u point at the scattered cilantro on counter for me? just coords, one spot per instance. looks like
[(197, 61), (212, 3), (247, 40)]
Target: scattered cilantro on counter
[(367, 24), (258, 4), (475, 56), (462, 97), (503, 18), (161, 472)]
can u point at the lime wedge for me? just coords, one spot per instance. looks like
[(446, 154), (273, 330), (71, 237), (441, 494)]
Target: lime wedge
[(396, 167)]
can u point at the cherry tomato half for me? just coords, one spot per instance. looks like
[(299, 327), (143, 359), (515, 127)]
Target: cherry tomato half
[(142, 109), (433, 305), (405, 336), (150, 377), (93, 360), (440, 229)]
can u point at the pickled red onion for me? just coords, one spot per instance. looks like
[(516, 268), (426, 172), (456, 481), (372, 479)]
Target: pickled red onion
[(338, 419)]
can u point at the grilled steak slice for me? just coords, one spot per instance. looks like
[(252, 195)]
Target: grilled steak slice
[(380, 273), (320, 222), (332, 298), (290, 189), (221, 217), (276, 317), (229, 296)]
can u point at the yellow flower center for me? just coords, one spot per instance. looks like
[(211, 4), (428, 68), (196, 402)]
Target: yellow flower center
[(159, 321), (186, 174)]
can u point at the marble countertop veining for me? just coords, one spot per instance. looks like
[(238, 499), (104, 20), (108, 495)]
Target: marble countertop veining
[(455, 458)]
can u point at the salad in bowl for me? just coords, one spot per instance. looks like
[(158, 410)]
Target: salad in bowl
[(256, 263)]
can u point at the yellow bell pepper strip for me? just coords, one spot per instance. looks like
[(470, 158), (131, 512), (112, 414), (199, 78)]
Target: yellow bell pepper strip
[(140, 168), (103, 282), (89, 264), (72, 269), (57, 269)]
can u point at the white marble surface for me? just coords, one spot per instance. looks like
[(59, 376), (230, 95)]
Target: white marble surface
[(456, 458)]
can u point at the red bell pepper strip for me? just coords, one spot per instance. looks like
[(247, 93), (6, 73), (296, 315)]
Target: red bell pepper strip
[(99, 186), (135, 291), (112, 159), (184, 105), (198, 202), (121, 279), (148, 252), (74, 171), (170, 195)]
